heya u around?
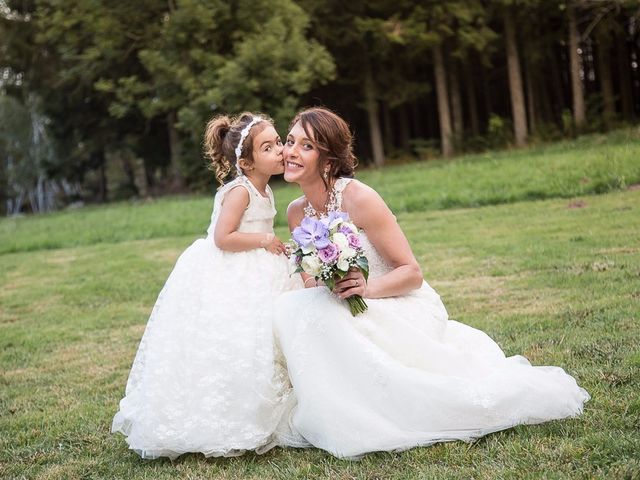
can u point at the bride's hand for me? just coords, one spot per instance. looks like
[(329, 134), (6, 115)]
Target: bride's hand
[(353, 283)]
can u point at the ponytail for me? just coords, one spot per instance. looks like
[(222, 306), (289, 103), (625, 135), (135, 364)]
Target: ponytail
[(214, 136)]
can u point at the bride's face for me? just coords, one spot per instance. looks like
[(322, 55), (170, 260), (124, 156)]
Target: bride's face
[(301, 156)]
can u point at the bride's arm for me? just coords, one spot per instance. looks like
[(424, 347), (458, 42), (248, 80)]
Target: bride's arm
[(369, 212)]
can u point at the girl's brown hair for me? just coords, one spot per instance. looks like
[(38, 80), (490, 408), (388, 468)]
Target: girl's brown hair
[(333, 138), (221, 138)]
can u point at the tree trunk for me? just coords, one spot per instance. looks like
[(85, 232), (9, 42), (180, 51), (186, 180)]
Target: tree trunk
[(443, 102), (557, 89), (405, 129), (4, 187), (624, 74), (472, 100), (515, 81), (416, 120), (486, 90), (102, 178), (456, 103), (579, 112), (175, 149), (531, 96), (371, 105), (604, 69), (388, 127)]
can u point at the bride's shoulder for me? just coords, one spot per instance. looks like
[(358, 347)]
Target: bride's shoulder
[(359, 194), (364, 204), (297, 204), (295, 209)]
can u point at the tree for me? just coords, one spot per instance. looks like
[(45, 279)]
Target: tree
[(518, 108), (220, 57), (579, 111)]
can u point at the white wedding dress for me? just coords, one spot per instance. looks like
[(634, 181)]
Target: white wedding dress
[(205, 377), (402, 374)]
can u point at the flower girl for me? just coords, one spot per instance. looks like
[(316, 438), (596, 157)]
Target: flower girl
[(205, 377)]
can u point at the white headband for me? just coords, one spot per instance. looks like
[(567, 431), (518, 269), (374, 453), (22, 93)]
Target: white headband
[(243, 136)]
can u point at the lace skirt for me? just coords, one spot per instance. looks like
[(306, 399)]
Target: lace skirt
[(206, 377)]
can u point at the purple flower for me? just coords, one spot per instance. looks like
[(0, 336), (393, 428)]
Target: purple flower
[(345, 230), (335, 217), (354, 240), (329, 253), (311, 231)]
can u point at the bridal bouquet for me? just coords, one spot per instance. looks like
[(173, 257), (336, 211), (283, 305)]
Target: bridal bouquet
[(326, 249)]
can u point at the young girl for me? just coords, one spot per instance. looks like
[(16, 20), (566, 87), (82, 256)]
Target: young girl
[(205, 377)]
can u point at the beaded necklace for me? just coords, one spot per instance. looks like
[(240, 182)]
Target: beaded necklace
[(331, 205)]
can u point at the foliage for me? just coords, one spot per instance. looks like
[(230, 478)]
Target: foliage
[(134, 83), (119, 77)]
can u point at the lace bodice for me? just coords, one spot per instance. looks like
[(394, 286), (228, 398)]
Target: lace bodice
[(257, 218), (377, 265)]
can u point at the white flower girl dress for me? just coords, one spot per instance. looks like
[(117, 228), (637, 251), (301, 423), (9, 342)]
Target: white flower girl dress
[(206, 377)]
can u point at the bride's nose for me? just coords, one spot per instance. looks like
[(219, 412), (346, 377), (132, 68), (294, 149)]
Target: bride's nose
[(290, 151)]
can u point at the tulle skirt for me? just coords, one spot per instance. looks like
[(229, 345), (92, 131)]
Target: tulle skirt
[(402, 375)]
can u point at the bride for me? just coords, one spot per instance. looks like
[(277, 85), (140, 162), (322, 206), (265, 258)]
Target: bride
[(401, 374)]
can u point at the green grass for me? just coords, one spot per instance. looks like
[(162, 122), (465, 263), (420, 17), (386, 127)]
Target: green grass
[(556, 283), (590, 165)]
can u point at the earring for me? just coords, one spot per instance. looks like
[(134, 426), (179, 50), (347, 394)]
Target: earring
[(326, 174)]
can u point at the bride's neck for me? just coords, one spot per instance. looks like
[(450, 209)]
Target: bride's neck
[(317, 193)]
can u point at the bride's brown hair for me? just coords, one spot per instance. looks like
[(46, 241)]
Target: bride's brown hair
[(333, 138), (221, 138)]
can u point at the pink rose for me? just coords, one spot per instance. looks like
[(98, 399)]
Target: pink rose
[(354, 240), (329, 253)]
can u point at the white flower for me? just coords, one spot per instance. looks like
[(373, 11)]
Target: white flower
[(309, 248), (335, 223), (343, 260), (293, 265), (350, 226), (311, 264), (340, 239), (342, 264)]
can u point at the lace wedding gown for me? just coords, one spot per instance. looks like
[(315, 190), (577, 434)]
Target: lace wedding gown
[(402, 374), (205, 377)]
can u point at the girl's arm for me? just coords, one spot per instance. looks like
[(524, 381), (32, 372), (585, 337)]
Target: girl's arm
[(226, 235), (369, 212)]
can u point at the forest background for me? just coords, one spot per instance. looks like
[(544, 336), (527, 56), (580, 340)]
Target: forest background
[(107, 100)]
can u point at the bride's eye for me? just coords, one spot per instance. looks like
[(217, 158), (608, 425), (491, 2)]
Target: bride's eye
[(289, 142)]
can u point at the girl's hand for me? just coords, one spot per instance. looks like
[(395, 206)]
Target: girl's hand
[(272, 244), (353, 283)]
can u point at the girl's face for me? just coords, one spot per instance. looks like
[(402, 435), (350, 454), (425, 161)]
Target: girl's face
[(301, 156), (267, 152)]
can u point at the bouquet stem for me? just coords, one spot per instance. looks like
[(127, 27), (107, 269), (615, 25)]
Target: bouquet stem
[(357, 304)]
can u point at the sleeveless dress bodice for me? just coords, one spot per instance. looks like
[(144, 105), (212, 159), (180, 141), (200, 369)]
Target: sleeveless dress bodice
[(259, 214)]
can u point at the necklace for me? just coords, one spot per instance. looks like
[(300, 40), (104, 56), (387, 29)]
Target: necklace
[(331, 205)]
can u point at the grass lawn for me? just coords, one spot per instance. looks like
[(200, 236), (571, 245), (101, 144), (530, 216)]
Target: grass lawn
[(589, 165), (557, 280)]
